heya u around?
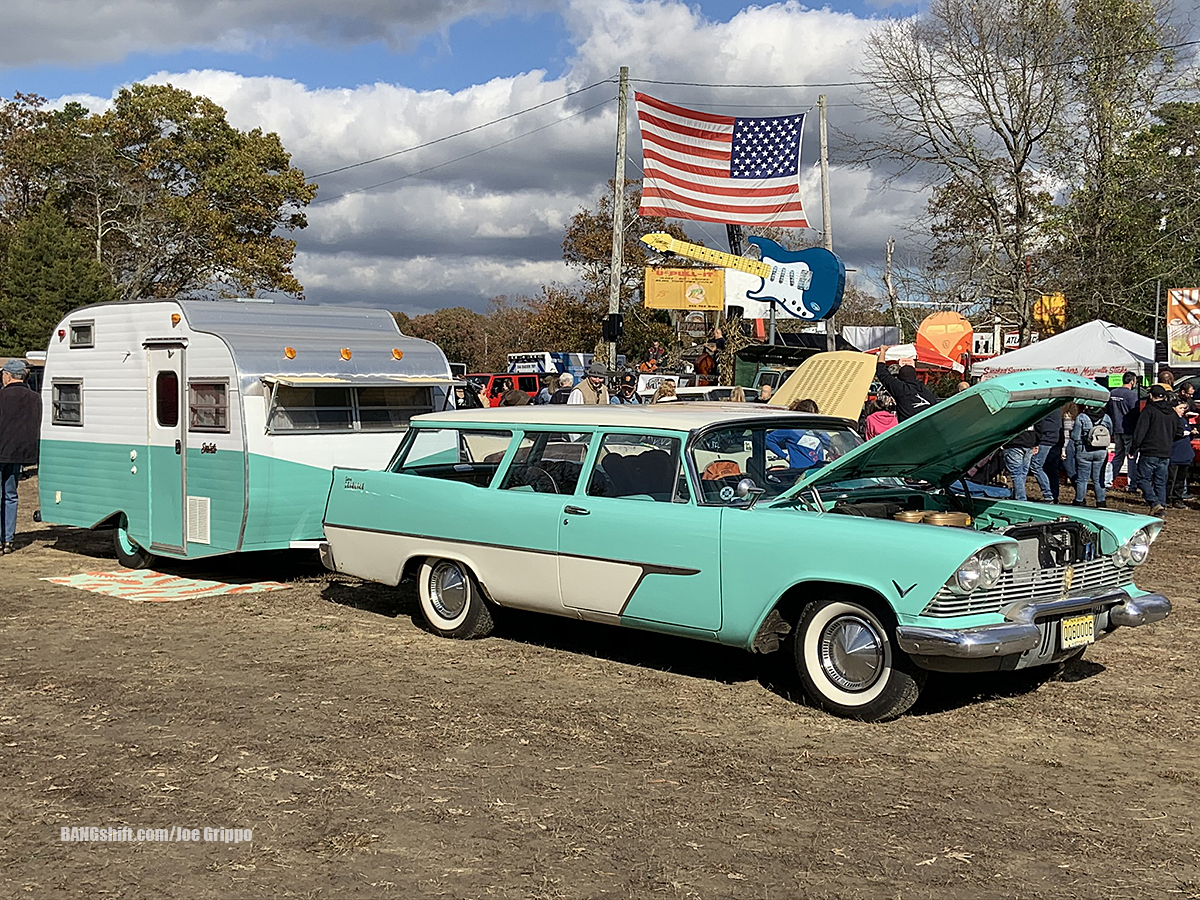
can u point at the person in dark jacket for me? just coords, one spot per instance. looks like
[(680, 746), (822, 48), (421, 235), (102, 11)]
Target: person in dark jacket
[(512, 396), (1155, 433), (910, 394), (566, 384), (20, 419), (1182, 456), (1047, 455), (1123, 410)]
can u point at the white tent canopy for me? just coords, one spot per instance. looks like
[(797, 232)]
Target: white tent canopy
[(1097, 348)]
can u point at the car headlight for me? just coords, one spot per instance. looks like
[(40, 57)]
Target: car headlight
[(991, 567), (968, 576), (982, 570), (1135, 550)]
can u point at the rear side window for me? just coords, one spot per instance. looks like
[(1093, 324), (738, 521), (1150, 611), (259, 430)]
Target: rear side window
[(83, 334), (527, 383), (453, 454), (66, 402), (547, 463)]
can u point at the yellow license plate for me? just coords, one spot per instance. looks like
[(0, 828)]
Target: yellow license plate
[(1077, 631)]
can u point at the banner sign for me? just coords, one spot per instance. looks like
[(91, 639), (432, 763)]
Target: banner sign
[(1183, 326), (690, 289), (1050, 312)]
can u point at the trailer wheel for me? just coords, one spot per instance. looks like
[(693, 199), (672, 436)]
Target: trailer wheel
[(129, 553)]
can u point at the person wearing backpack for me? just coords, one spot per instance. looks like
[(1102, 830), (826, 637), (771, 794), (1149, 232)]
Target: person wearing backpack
[(1123, 410), (1091, 434)]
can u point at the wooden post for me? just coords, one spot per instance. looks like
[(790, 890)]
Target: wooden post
[(618, 224)]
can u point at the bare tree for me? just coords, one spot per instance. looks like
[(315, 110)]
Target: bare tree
[(963, 97)]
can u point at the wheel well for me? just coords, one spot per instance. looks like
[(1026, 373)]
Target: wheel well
[(411, 568), (798, 596), (111, 521)]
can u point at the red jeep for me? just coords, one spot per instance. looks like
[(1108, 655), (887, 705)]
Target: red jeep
[(490, 387)]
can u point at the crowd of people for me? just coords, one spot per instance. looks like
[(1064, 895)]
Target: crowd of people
[(1151, 439)]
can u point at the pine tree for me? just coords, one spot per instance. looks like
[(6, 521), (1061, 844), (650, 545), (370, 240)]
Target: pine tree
[(48, 273)]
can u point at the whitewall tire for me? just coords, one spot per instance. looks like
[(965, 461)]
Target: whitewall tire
[(451, 602), (849, 663)]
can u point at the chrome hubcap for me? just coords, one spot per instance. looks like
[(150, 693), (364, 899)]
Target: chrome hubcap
[(852, 653), (448, 589)]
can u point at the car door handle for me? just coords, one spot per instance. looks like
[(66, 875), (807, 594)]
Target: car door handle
[(178, 448), (576, 511)]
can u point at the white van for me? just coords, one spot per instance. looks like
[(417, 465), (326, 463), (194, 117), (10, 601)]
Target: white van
[(196, 428)]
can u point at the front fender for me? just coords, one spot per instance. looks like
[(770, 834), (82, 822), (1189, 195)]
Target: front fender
[(767, 552)]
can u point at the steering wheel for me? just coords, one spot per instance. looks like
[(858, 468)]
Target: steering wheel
[(538, 479)]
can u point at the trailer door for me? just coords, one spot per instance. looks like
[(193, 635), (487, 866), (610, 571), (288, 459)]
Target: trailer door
[(167, 450)]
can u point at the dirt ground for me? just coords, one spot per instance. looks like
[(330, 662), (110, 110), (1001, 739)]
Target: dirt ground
[(559, 759)]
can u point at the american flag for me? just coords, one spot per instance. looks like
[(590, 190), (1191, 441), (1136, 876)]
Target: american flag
[(736, 170)]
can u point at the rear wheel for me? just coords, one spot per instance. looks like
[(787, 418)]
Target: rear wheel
[(130, 554), (451, 601), (849, 663)]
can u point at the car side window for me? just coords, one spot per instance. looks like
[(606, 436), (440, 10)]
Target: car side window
[(547, 462), (638, 467), (454, 454)]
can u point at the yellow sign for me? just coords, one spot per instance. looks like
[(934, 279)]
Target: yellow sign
[(1183, 326), (1050, 312), (691, 289)]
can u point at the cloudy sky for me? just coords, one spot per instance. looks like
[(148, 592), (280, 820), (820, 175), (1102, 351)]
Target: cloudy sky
[(482, 214)]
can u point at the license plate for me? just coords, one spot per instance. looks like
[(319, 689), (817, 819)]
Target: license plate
[(1077, 631)]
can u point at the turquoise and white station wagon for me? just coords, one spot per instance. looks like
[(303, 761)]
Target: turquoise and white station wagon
[(867, 564)]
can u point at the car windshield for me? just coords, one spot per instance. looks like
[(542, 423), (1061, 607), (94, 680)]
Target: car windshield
[(774, 456)]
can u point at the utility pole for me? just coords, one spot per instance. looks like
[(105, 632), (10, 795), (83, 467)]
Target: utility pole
[(618, 224), (830, 331)]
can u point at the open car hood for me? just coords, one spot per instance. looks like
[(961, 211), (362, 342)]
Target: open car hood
[(941, 443)]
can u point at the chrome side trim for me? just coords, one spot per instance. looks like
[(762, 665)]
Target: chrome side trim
[(1021, 633), (1140, 610)]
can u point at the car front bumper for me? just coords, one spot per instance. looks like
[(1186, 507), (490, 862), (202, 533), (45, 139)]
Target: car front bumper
[(1025, 630)]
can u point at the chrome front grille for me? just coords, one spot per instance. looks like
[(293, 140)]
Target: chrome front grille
[(1096, 576)]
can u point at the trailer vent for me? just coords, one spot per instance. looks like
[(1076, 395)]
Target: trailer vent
[(197, 520)]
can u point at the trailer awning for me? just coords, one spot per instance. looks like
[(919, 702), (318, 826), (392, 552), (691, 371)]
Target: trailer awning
[(360, 380)]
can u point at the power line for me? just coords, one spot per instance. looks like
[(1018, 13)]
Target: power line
[(517, 137), (447, 137)]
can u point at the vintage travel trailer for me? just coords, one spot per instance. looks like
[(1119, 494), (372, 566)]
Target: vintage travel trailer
[(196, 428)]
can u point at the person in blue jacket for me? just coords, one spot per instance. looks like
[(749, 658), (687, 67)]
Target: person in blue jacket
[(1091, 454)]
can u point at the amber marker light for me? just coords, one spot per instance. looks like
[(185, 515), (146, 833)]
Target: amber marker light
[(397, 353), (346, 354), (174, 319), (289, 352)]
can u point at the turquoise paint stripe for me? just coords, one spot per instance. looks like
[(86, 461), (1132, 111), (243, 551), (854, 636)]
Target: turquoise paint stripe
[(82, 483)]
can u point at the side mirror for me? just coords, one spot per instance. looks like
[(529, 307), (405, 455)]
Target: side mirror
[(747, 488)]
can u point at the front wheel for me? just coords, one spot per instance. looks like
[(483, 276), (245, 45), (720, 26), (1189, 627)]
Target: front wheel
[(451, 601), (850, 665), (129, 553)]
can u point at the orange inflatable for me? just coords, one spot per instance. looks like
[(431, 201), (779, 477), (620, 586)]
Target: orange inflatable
[(944, 338)]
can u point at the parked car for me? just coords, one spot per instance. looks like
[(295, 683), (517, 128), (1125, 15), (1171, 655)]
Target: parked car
[(758, 528), (490, 385)]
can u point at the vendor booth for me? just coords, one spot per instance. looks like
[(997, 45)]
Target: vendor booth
[(1092, 350)]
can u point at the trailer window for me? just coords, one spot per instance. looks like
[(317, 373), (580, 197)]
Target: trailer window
[(208, 406), (390, 408), (343, 408), (311, 409), (67, 402), (83, 334), (166, 394)]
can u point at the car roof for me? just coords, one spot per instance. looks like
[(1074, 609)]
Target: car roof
[(677, 416)]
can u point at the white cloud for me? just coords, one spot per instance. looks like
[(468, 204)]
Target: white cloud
[(493, 222)]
